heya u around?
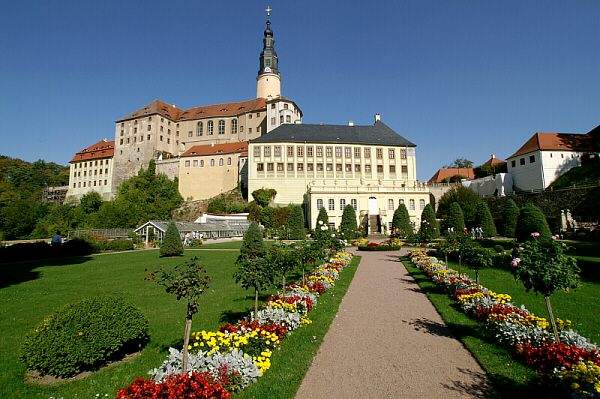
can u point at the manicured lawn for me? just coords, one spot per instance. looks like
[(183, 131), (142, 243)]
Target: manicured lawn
[(223, 245), (28, 292)]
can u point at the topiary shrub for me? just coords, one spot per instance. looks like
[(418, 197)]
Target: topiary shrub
[(296, 223), (455, 218), (509, 217), (483, 219), (83, 336), (348, 225), (466, 198), (429, 229), (263, 196), (531, 220), (401, 225), (171, 244)]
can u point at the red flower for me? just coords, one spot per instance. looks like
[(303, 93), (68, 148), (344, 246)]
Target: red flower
[(275, 328), (193, 386), (550, 355)]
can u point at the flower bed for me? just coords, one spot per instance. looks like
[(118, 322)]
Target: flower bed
[(393, 244), (238, 354), (573, 363)]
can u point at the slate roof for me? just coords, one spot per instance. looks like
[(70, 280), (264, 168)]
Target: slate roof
[(377, 134)]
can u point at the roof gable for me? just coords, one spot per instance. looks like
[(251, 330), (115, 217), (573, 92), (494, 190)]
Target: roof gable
[(216, 149), (444, 174), (544, 141), (102, 149)]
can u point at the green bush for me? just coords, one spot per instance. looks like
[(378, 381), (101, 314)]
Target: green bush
[(296, 223), (429, 229), (113, 245), (531, 220), (483, 219), (455, 218), (171, 244), (267, 217), (509, 217), (401, 225), (348, 227), (466, 198), (263, 196), (83, 336)]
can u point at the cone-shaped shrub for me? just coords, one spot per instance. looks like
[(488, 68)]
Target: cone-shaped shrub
[(171, 244), (429, 226), (510, 215), (483, 219), (401, 225), (348, 225), (253, 245), (455, 218), (531, 220), (296, 223)]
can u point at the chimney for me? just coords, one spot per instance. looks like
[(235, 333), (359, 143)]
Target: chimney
[(377, 117), (350, 123)]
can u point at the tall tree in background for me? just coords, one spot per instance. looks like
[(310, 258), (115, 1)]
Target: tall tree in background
[(455, 218), (461, 163), (401, 225)]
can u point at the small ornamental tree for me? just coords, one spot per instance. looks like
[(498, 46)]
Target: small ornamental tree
[(322, 226), (348, 225), (283, 259), (171, 244), (477, 257), (263, 196), (455, 219), (543, 267), (401, 225), (429, 229), (531, 220), (188, 282), (510, 215), (267, 217), (483, 219), (254, 270), (450, 245), (310, 253), (296, 223)]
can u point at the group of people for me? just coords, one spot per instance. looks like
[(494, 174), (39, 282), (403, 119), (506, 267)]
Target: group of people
[(192, 236), (475, 232)]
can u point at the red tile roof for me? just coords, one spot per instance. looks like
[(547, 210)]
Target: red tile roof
[(217, 149), (443, 174), (557, 142), (207, 111), (101, 149), (494, 161)]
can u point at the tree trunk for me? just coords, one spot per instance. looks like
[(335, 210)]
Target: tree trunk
[(255, 303), (477, 276), (459, 262), (552, 321), (284, 285), (303, 281), (186, 342)]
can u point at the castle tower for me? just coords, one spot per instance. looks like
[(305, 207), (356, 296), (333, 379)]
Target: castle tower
[(268, 81)]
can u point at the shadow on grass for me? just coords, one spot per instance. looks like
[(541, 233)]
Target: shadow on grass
[(20, 272), (230, 316), (431, 327), (473, 384)]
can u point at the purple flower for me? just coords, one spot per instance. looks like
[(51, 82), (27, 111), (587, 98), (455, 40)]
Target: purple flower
[(515, 262), (535, 234)]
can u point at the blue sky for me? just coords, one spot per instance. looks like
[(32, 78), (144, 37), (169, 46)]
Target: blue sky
[(458, 78)]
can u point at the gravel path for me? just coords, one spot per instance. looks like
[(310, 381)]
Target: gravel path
[(388, 341)]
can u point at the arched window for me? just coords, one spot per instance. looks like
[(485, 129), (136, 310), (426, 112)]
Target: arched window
[(319, 203), (199, 129), (228, 160), (221, 162), (212, 162), (221, 126), (209, 127), (234, 126)]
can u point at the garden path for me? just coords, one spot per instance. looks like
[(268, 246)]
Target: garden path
[(388, 341)]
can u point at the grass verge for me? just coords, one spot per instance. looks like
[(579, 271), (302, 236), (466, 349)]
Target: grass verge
[(293, 358)]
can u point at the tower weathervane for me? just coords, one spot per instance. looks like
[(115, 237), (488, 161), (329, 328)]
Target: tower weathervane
[(268, 10)]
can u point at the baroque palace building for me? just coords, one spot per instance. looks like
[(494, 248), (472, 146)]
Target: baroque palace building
[(371, 168)]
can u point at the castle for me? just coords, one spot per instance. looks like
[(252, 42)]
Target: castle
[(261, 143)]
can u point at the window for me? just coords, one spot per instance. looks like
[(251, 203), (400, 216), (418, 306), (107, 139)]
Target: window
[(241, 129), (379, 168), (121, 142), (390, 204), (357, 167), (367, 152), (187, 163), (331, 225), (392, 168), (319, 204), (319, 167), (331, 204), (199, 129), (402, 154), (379, 153), (202, 163), (162, 129), (290, 151), (277, 151), (288, 119), (281, 119), (249, 130), (257, 114), (220, 161), (257, 151), (161, 138), (148, 137), (531, 158), (401, 201), (290, 167), (249, 116), (190, 133), (310, 167), (300, 167), (267, 151), (328, 152), (404, 169), (347, 152), (356, 152), (260, 167), (234, 126), (280, 167), (329, 167), (195, 162), (273, 120), (421, 204), (391, 153), (212, 162), (301, 152), (522, 161), (342, 203), (270, 167), (513, 163), (354, 204), (348, 167), (209, 127), (285, 106), (338, 152), (221, 126), (273, 106), (228, 160), (367, 168), (411, 204), (319, 151), (338, 167), (149, 127)]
